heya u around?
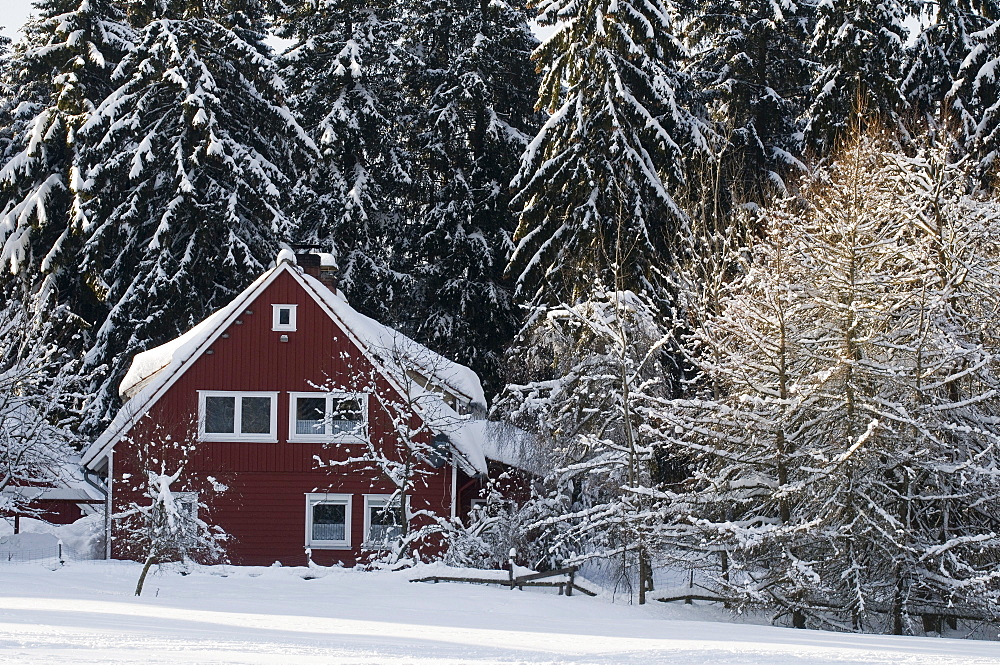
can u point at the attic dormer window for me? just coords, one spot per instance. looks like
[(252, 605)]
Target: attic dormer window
[(283, 317)]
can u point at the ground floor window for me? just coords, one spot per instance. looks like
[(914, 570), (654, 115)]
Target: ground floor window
[(328, 520), (383, 520)]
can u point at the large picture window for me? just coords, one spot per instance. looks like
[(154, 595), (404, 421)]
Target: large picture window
[(238, 416), (328, 521), (327, 416)]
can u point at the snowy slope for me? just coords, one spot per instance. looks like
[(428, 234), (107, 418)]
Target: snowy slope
[(85, 613)]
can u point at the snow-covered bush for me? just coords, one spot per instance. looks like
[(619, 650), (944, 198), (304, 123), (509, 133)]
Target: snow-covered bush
[(38, 402), (169, 527)]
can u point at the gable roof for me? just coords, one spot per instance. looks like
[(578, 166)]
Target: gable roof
[(154, 371)]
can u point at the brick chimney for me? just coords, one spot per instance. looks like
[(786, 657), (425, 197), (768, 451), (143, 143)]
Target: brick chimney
[(321, 266)]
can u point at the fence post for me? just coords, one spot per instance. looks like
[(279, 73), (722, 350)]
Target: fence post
[(61, 562), (572, 580), (510, 564)]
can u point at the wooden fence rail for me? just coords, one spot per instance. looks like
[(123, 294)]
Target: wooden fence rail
[(532, 580)]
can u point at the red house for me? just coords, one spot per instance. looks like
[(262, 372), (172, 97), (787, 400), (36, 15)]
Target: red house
[(295, 419)]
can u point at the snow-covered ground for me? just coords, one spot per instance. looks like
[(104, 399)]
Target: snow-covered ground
[(85, 613)]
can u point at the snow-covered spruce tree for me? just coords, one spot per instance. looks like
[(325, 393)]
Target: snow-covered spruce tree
[(845, 430), (858, 50), (604, 162), (975, 97), (38, 398), (752, 59), (597, 222), (344, 86), (58, 75), (195, 160), (942, 46), (470, 90), (6, 100)]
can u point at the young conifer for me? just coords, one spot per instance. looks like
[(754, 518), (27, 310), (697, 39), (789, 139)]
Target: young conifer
[(842, 440)]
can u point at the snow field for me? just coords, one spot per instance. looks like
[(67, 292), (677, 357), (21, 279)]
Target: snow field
[(85, 613)]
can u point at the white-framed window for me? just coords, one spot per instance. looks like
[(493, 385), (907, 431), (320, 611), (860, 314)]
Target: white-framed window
[(283, 317), (237, 416), (335, 416), (328, 521), (383, 520)]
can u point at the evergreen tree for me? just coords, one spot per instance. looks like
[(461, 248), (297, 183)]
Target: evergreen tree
[(975, 96), (196, 156), (599, 497), (941, 47), (6, 101), (471, 88), (752, 58), (345, 88), (604, 163), (60, 73), (858, 46)]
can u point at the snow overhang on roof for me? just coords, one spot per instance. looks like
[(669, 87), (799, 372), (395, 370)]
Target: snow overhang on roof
[(390, 346), (154, 371)]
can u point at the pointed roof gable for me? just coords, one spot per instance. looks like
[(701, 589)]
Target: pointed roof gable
[(153, 372)]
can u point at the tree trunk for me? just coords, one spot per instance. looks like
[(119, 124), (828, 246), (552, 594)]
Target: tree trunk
[(642, 576), (142, 577)]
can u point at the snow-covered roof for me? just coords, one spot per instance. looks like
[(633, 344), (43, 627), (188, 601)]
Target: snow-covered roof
[(148, 363), (154, 371), (503, 442), (386, 343), (68, 484)]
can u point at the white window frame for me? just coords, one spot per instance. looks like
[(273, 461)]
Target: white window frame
[(270, 437), (313, 499), (327, 436), (276, 317), (376, 501)]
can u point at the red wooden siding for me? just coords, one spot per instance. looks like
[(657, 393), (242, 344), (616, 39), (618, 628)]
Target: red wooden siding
[(263, 508)]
